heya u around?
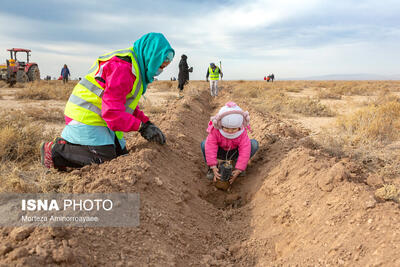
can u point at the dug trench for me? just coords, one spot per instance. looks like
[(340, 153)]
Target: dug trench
[(295, 206)]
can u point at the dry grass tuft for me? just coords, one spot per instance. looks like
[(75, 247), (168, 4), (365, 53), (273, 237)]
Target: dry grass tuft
[(361, 87), (45, 114), (373, 123), (45, 90), (385, 96), (327, 94), (20, 137), (294, 86), (274, 100), (370, 135), (309, 107), (31, 179), (21, 133), (294, 89), (248, 90)]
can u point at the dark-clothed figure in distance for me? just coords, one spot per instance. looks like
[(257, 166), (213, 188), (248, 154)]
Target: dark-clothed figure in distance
[(183, 76)]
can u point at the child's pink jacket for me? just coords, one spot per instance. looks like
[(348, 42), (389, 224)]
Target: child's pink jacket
[(119, 80), (215, 139)]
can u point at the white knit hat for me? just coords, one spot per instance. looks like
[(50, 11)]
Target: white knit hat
[(231, 116), (232, 120)]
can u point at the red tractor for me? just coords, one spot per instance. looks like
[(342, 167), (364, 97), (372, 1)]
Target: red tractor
[(19, 71)]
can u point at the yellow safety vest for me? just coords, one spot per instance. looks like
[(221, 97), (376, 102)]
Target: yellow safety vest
[(214, 75), (84, 103)]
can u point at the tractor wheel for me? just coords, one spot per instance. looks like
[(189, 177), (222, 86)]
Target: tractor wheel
[(22, 77), (34, 73)]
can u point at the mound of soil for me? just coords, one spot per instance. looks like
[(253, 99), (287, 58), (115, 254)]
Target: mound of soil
[(295, 206)]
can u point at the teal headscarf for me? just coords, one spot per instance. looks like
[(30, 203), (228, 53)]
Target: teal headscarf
[(152, 50)]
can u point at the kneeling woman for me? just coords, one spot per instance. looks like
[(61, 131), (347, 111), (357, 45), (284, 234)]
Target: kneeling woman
[(104, 104)]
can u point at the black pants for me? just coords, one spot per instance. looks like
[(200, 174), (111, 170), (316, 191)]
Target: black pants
[(181, 84), (66, 154), (65, 79), (230, 154)]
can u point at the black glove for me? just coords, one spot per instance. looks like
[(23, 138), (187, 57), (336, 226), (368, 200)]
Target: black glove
[(151, 133), (190, 69)]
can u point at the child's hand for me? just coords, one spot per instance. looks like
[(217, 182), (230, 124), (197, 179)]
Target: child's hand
[(235, 174), (216, 174)]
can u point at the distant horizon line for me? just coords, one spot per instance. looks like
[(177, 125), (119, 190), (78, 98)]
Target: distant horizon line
[(329, 77)]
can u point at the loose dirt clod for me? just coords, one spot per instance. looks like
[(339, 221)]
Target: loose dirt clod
[(387, 192), (21, 233)]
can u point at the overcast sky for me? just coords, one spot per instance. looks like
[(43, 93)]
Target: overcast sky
[(290, 38)]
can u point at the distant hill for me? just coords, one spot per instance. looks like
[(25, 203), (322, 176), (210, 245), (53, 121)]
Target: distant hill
[(360, 76)]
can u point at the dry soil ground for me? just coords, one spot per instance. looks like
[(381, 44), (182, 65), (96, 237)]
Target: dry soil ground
[(296, 206)]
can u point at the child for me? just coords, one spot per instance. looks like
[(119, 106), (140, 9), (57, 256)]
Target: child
[(227, 139)]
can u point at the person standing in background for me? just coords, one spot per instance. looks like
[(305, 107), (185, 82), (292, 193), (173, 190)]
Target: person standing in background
[(183, 76), (65, 73), (213, 72)]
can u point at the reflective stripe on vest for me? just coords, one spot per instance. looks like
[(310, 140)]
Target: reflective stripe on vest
[(92, 88), (84, 104), (214, 75), (110, 55)]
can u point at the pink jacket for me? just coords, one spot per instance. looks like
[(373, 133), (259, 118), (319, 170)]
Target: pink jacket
[(215, 139), (119, 79)]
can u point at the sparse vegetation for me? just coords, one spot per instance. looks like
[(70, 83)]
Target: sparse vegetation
[(309, 107), (385, 96), (293, 86), (20, 137), (28, 179), (21, 133), (275, 100), (358, 87), (373, 123), (45, 114), (294, 89), (45, 90), (367, 135), (326, 94)]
